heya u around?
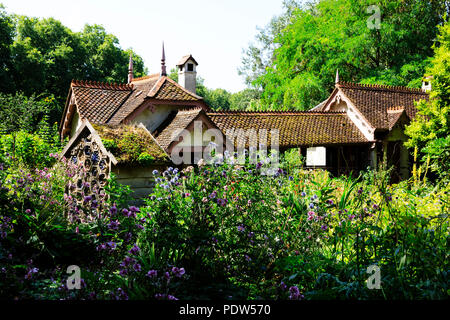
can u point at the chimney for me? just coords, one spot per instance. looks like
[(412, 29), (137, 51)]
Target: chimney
[(130, 69), (187, 73), (426, 83)]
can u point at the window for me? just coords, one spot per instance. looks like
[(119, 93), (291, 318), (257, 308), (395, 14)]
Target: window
[(316, 156), (190, 67)]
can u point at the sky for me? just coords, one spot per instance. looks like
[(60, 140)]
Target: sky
[(214, 32)]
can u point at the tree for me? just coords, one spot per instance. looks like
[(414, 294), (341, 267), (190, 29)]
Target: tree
[(6, 40), (430, 130), (327, 35), (20, 113), (42, 56)]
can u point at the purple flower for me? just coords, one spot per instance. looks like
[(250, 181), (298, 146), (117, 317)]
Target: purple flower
[(137, 267), (222, 202), (241, 228), (139, 226), (295, 293), (133, 209), (324, 227), (311, 205), (113, 210), (213, 195), (178, 272), (170, 297), (134, 250), (125, 212), (114, 225), (167, 276), (30, 273), (28, 211), (127, 261), (111, 244), (152, 274), (283, 286), (123, 272), (258, 165), (303, 194), (247, 258), (87, 199)]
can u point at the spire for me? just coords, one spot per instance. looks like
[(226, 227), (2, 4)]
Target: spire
[(337, 76), (130, 69), (163, 62)]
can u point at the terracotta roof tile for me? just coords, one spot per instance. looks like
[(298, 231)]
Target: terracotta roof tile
[(167, 89), (141, 87), (98, 101), (373, 101), (186, 58), (182, 119), (295, 128)]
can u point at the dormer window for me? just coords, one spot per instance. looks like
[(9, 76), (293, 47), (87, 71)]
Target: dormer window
[(190, 67)]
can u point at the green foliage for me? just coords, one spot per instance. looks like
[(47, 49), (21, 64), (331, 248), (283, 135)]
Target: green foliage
[(18, 112), (28, 149), (110, 144), (430, 130), (298, 54), (131, 144), (44, 56), (145, 159)]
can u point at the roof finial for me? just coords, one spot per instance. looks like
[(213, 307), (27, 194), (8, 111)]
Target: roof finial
[(163, 62), (130, 68), (337, 76)]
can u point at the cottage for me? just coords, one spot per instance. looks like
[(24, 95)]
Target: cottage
[(152, 121)]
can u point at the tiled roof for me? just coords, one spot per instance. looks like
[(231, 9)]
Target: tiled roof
[(295, 128), (98, 101), (393, 115), (141, 88), (167, 89), (186, 58), (182, 119), (104, 103), (374, 100)]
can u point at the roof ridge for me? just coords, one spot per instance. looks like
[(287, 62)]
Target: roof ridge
[(187, 109), (274, 112), (182, 88), (380, 87), (101, 85), (145, 77)]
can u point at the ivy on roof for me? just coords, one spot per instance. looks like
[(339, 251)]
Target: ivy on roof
[(131, 144)]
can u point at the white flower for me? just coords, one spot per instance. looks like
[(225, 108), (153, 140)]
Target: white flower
[(201, 163)]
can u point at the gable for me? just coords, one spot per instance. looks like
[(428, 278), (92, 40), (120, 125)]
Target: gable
[(187, 128), (373, 101)]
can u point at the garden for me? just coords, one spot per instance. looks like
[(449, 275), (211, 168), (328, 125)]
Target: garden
[(220, 231)]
